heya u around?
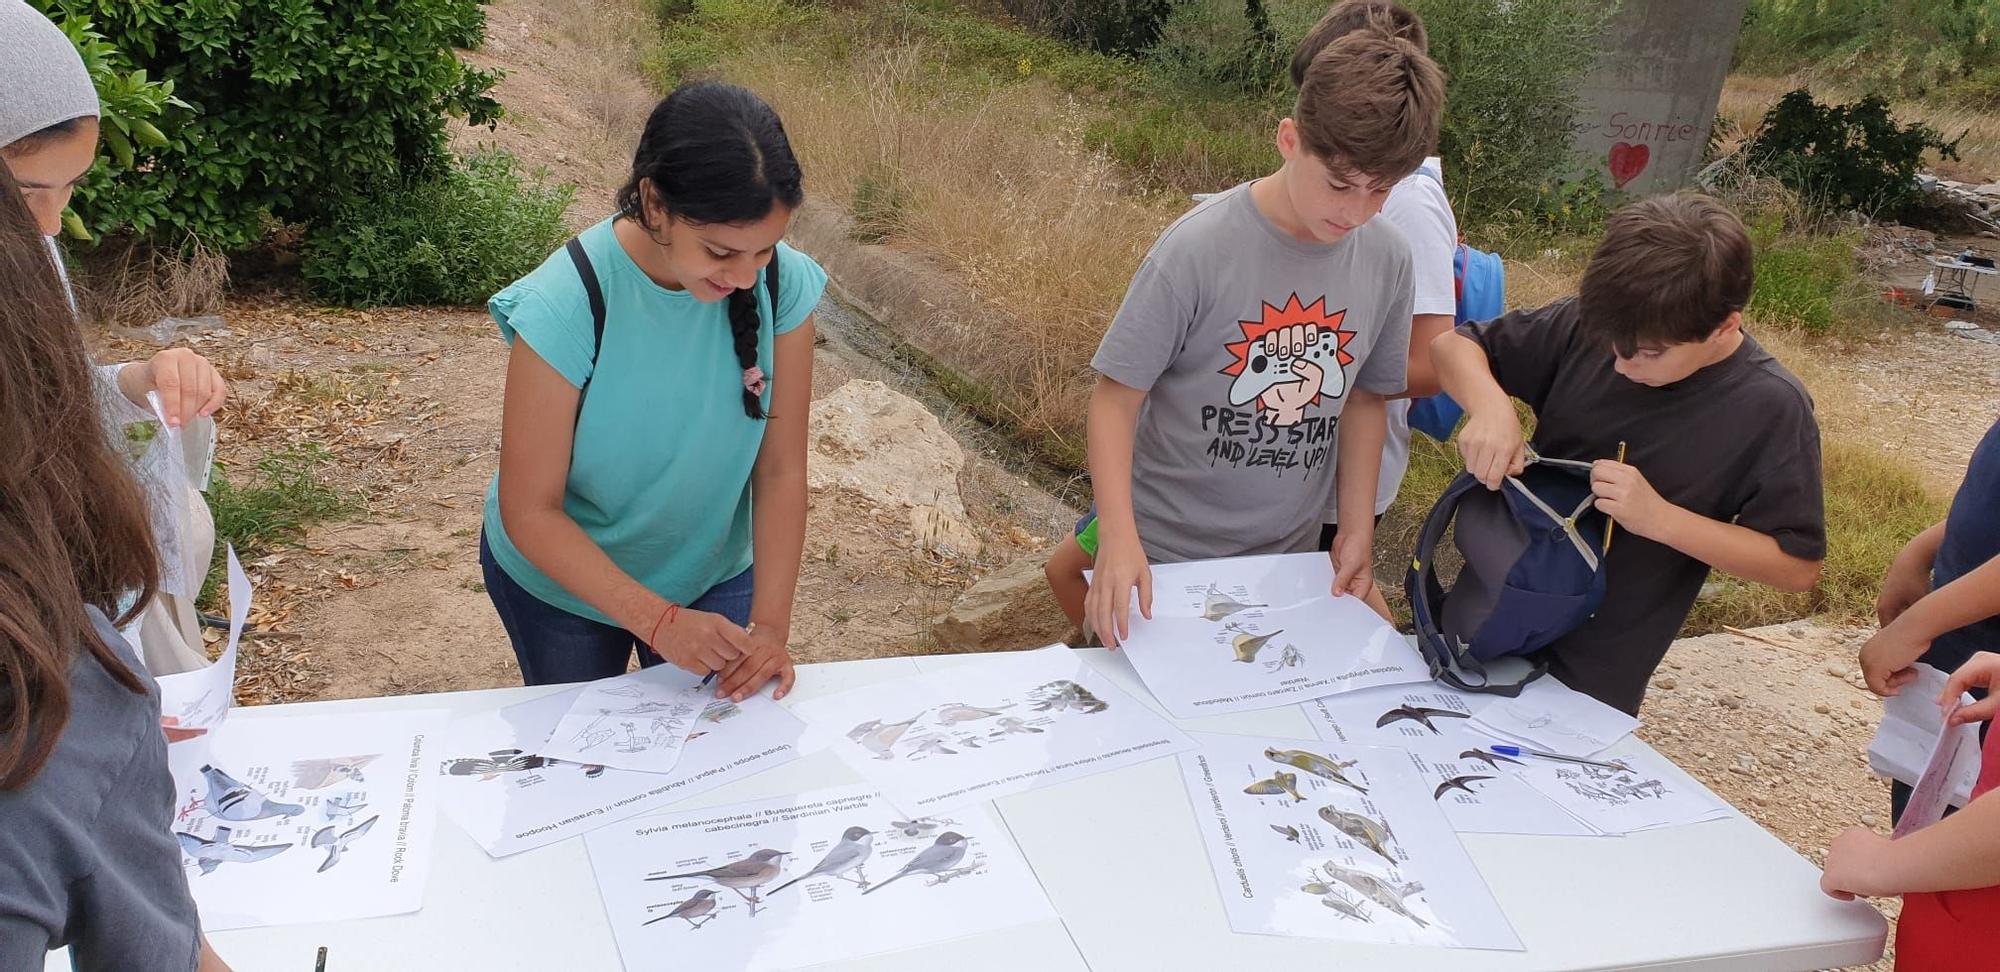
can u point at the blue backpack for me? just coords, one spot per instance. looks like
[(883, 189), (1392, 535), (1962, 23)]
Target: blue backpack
[(1479, 281), (1533, 572)]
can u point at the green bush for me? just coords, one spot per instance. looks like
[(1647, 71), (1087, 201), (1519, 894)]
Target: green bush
[(1844, 157), (296, 106), (1894, 47), (1105, 26), (454, 238), (1222, 45), (131, 108)]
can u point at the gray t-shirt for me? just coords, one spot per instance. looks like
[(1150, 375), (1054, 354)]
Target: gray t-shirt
[(1235, 445), (88, 859)]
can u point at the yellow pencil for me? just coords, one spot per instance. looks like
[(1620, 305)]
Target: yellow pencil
[(1610, 523)]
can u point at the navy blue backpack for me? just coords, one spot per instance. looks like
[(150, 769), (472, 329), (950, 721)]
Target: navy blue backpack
[(1533, 572)]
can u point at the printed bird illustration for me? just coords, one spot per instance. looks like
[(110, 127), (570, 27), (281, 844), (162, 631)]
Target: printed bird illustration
[(209, 854), (1492, 760), (1291, 657), (1388, 894), (1063, 694), (231, 800), (880, 738), (1280, 782), (1457, 783), (1288, 831), (1248, 645), (934, 860), (1367, 831), (702, 905), (855, 845), (1421, 715), (748, 874), (1009, 725), (718, 711), (1317, 765), (933, 746), (969, 742), (1216, 605), (337, 845), (1348, 907), (318, 774), (913, 828), (507, 761), (958, 712), (340, 808), (623, 691)]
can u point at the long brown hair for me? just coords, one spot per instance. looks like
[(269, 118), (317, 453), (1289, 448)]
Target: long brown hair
[(73, 527)]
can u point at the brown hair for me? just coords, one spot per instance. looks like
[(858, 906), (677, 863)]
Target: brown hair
[(73, 526), (1348, 16), (1369, 104), (1669, 271)]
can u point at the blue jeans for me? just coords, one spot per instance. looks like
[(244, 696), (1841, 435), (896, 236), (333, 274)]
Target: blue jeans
[(555, 646)]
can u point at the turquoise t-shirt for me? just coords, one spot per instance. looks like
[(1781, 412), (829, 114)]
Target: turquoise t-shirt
[(660, 473)]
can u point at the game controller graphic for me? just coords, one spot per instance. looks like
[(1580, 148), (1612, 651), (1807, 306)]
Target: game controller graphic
[(1262, 370)]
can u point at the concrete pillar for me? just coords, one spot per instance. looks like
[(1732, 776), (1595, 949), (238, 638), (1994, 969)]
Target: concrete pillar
[(1647, 105)]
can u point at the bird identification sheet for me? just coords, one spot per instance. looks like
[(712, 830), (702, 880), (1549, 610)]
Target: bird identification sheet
[(510, 798), (988, 728), (293, 819), (1647, 794), (635, 721), (1256, 632), (823, 876), (1477, 788), (1324, 841)]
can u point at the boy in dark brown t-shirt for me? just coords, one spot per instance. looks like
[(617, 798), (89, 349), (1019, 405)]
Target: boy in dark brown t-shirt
[(1723, 466)]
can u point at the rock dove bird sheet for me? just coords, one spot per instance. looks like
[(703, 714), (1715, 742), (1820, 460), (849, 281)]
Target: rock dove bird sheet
[(1479, 790), (1316, 840), (509, 798), (292, 819), (989, 727), (823, 876), (1256, 632)]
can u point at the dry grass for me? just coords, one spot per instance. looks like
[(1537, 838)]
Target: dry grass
[(1746, 97), (994, 184), (127, 284)]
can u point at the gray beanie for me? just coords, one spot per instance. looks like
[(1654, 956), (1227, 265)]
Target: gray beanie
[(42, 78)]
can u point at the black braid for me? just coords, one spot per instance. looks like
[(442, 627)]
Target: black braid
[(716, 153), (743, 328)]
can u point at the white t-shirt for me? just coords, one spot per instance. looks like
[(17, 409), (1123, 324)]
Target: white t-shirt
[(1418, 208)]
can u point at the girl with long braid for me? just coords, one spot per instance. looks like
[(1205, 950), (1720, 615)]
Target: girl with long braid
[(657, 395)]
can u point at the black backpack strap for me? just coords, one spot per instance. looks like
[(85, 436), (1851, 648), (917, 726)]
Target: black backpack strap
[(595, 292)]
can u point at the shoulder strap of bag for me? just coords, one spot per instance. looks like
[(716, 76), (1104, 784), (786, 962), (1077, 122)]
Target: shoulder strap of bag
[(771, 286), (595, 292)]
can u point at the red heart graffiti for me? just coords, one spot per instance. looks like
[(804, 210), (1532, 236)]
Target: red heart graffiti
[(1627, 161)]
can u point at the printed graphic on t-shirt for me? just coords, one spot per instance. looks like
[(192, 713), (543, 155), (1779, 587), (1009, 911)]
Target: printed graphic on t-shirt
[(1289, 362)]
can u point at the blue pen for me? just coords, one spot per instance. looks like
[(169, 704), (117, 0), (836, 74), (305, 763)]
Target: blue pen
[(1538, 754)]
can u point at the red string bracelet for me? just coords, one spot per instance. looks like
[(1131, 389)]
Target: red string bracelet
[(666, 617)]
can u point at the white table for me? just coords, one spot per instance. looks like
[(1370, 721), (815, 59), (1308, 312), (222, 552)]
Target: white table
[(1723, 896)]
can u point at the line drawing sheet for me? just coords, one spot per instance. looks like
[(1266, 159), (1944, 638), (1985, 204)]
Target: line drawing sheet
[(1341, 842), (197, 701), (1648, 795), (989, 727), (1566, 721), (636, 721), (816, 877), (1256, 632), (510, 799), (1903, 744), (297, 819)]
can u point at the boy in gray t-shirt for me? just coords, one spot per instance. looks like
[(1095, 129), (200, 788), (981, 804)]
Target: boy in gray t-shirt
[(1256, 344)]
